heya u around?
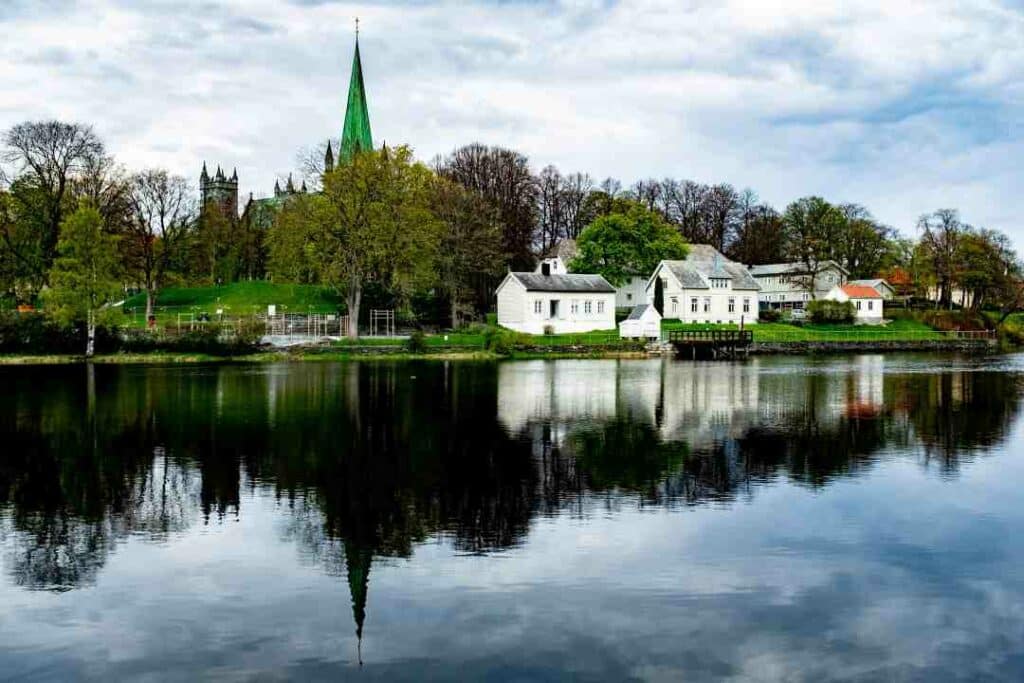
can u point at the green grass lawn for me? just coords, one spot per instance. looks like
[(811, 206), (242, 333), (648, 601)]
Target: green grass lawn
[(239, 298), (896, 330)]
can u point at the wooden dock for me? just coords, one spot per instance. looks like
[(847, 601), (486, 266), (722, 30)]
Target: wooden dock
[(711, 344)]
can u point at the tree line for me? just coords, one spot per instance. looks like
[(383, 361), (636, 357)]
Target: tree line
[(433, 240)]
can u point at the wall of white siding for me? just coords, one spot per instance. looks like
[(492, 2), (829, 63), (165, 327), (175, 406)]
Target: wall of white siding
[(632, 293), (570, 318), (511, 303), (679, 304)]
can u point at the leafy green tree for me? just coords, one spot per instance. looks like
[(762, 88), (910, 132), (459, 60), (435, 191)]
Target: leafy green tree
[(372, 223), (865, 245), (623, 245), (85, 275), (813, 229)]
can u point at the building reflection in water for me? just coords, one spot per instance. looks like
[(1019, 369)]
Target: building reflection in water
[(366, 461)]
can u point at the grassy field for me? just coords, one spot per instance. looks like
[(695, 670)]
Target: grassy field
[(239, 298), (896, 330)]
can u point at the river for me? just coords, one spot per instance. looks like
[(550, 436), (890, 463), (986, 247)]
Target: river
[(844, 518)]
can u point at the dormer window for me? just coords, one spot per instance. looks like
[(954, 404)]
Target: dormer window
[(719, 283)]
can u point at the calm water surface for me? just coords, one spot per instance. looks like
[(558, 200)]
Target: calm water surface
[(779, 519)]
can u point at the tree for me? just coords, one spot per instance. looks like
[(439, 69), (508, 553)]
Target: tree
[(760, 233), (372, 223), (42, 160), (161, 216), (623, 245), (941, 234), (469, 247), (865, 245), (84, 278), (813, 228), (502, 177)]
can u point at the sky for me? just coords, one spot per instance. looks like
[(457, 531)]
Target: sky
[(904, 107)]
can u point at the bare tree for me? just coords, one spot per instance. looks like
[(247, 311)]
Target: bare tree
[(941, 234), (503, 178), (163, 211)]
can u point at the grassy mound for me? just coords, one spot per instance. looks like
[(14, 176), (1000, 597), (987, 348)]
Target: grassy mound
[(240, 298)]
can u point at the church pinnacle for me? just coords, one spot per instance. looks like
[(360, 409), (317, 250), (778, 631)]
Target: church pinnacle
[(356, 136)]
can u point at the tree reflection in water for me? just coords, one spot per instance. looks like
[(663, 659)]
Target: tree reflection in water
[(368, 460)]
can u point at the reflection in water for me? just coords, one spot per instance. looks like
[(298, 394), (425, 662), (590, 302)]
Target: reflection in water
[(366, 461)]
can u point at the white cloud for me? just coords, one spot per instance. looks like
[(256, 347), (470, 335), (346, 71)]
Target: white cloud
[(903, 107)]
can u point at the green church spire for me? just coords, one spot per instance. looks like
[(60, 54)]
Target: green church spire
[(356, 135)]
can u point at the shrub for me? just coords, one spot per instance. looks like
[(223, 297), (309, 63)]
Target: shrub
[(503, 341), (36, 333), (549, 330), (830, 311), (417, 342), (770, 315)]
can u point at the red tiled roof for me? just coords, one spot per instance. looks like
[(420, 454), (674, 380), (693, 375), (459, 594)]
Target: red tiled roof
[(861, 292)]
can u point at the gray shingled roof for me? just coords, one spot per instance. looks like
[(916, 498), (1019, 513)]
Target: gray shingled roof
[(574, 282), (705, 260), (784, 268), (638, 311)]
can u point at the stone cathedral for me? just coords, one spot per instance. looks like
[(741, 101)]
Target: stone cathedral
[(220, 191)]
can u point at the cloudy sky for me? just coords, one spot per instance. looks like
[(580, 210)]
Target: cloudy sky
[(902, 106)]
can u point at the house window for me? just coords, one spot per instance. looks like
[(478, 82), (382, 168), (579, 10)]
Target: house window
[(537, 306), (707, 304), (574, 307), (746, 305), (629, 297), (675, 304), (732, 305), (600, 307), (587, 305), (693, 305), (858, 305), (871, 305)]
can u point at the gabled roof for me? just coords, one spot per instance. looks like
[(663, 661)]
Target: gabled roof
[(860, 292), (573, 282), (638, 311), (704, 261), (792, 267), (870, 283)]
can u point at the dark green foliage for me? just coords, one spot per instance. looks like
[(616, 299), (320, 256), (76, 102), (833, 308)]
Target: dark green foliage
[(36, 334), (417, 342), (831, 311), (770, 315)]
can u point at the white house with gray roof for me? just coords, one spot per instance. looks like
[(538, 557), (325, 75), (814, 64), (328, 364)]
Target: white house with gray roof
[(564, 303), (705, 287), (785, 286)]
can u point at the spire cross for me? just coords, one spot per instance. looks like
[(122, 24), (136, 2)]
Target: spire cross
[(357, 28)]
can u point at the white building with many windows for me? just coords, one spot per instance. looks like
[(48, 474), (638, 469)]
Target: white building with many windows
[(784, 286), (562, 303), (705, 287)]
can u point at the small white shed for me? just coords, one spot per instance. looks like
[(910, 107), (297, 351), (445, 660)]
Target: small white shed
[(644, 322)]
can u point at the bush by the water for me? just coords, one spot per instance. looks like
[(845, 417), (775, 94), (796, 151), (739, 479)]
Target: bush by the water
[(831, 311), (770, 315), (417, 342), (503, 341), (34, 333)]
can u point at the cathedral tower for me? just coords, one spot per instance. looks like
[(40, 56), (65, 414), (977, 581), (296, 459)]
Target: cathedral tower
[(356, 136), (219, 191)]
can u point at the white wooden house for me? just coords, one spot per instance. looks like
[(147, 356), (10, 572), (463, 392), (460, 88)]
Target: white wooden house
[(567, 303), (867, 302), (784, 286), (644, 322), (705, 287)]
